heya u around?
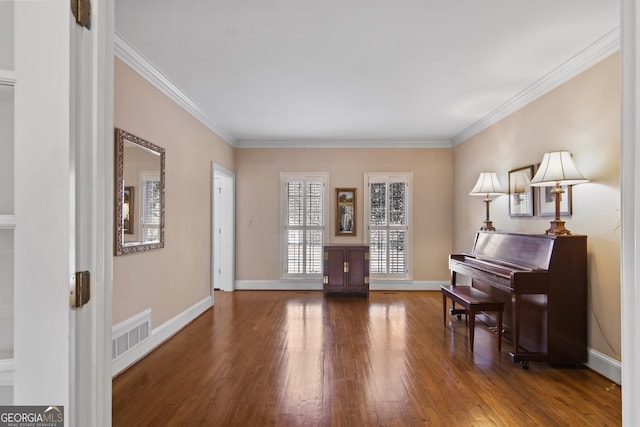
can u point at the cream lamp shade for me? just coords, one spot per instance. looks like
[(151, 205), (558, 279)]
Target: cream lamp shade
[(557, 169), (487, 186)]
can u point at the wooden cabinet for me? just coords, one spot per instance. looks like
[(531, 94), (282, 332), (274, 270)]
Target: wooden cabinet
[(346, 269)]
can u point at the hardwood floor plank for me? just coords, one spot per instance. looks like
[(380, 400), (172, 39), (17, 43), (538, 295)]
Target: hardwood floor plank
[(285, 358)]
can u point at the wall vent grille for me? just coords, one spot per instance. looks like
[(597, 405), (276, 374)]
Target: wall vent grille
[(130, 333)]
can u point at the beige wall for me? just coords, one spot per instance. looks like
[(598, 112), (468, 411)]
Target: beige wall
[(172, 279), (582, 116), (258, 202)]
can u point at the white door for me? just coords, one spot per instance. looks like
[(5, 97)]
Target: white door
[(223, 229), (56, 214), (216, 270), (43, 236)]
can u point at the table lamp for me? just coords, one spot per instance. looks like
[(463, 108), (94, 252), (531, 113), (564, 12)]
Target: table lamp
[(557, 169), (488, 186)]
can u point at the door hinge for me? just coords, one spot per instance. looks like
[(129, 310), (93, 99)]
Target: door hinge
[(80, 289), (81, 10)]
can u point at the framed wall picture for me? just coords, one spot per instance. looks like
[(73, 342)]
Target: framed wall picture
[(345, 211), (521, 195), (127, 210), (547, 203)]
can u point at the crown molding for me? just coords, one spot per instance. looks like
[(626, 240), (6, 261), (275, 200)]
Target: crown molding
[(342, 144), (591, 55), (130, 56)]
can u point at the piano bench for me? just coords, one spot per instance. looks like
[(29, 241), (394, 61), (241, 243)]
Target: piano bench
[(473, 301)]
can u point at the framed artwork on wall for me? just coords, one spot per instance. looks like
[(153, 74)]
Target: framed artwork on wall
[(521, 195), (127, 210), (345, 211), (547, 205)]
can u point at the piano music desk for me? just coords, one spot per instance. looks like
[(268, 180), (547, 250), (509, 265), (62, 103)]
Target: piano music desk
[(473, 301)]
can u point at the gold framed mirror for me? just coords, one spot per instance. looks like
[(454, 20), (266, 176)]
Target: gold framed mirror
[(140, 170)]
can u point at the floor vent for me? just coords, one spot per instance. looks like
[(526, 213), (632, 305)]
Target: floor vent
[(130, 333)]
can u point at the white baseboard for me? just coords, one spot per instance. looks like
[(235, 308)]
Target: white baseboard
[(160, 335), (316, 285), (278, 285), (604, 365)]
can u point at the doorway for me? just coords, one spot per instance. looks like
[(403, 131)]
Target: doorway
[(222, 229)]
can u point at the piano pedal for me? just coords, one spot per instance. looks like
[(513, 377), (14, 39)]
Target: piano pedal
[(458, 312), (494, 329)]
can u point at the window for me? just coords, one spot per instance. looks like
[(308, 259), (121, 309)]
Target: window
[(387, 212), (150, 219), (304, 200)]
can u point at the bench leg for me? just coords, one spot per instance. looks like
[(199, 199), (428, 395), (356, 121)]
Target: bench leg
[(444, 310)]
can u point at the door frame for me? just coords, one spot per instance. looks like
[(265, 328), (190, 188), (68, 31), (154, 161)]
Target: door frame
[(92, 175), (630, 201), (223, 227), (63, 121)]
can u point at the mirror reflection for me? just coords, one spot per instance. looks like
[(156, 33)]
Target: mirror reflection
[(139, 194)]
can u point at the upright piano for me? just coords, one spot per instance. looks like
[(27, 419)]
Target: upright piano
[(542, 280)]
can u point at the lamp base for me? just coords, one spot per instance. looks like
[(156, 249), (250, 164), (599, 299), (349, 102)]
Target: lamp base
[(488, 226), (557, 228)]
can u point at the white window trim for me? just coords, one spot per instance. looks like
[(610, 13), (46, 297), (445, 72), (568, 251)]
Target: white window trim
[(393, 177), (284, 178)]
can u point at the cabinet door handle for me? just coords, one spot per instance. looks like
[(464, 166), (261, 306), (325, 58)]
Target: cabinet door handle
[(346, 266)]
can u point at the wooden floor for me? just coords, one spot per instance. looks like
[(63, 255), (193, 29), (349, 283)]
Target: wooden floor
[(285, 358)]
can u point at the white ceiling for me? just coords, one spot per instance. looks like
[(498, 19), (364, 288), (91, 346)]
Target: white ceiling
[(333, 72)]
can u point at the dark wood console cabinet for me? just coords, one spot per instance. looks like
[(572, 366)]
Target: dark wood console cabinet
[(346, 269)]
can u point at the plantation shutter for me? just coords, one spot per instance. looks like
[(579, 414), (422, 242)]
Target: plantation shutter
[(387, 205), (150, 208), (305, 214)]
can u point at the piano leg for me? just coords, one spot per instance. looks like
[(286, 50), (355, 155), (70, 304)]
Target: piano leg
[(515, 300), (499, 316)]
